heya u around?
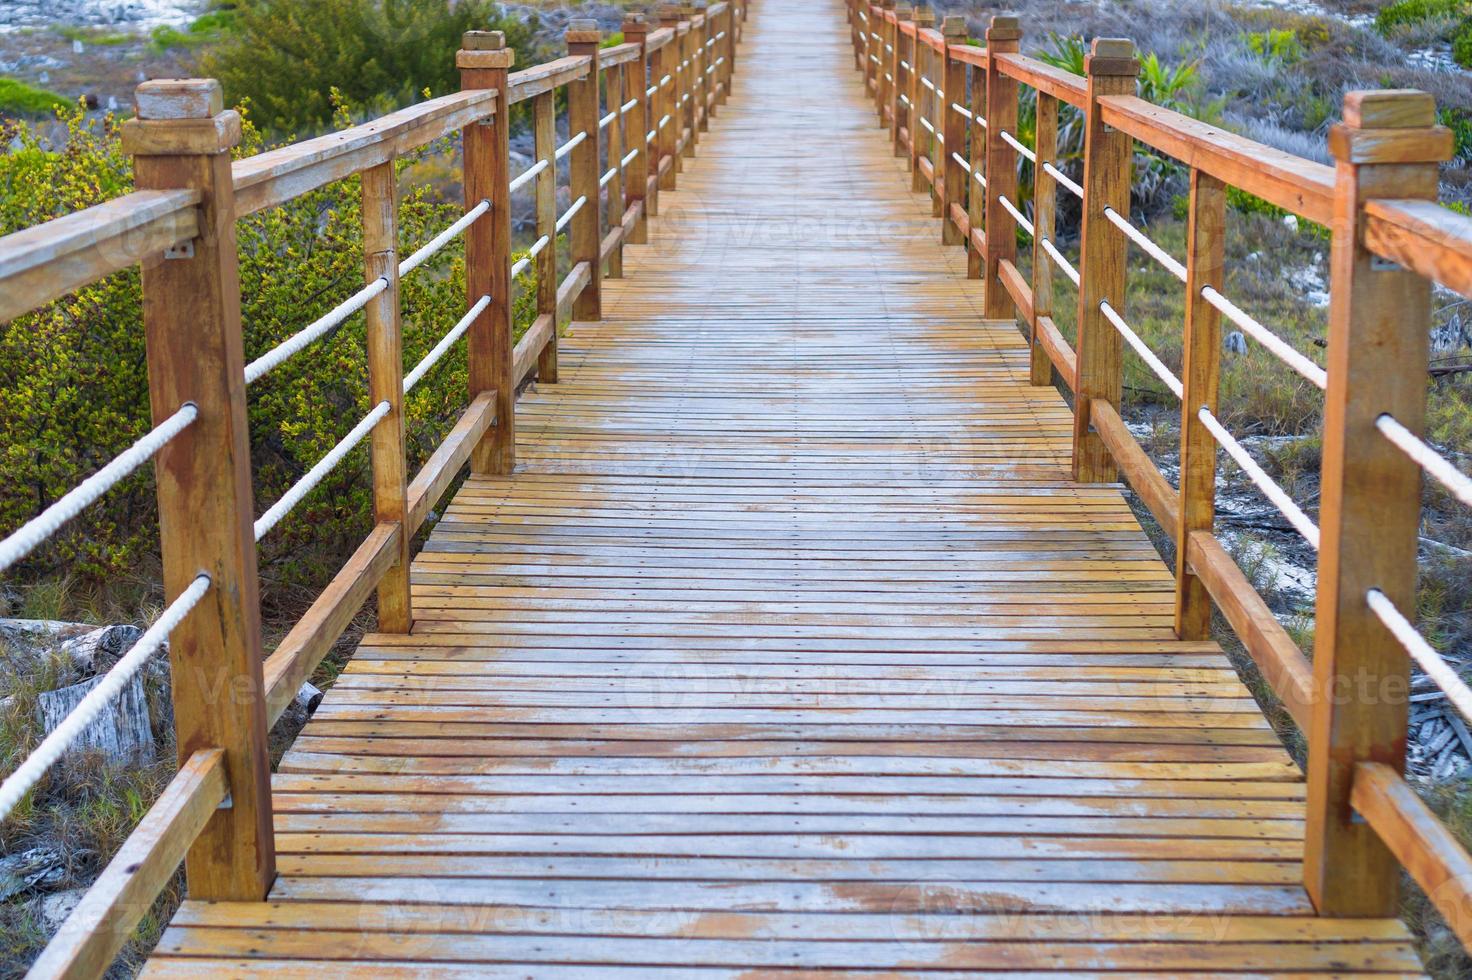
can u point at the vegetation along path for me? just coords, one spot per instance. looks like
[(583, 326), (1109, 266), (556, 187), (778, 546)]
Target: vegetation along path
[(790, 638)]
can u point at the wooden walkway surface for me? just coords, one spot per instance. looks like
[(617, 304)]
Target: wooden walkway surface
[(789, 647)]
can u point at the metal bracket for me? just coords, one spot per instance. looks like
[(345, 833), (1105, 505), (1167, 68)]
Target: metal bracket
[(1378, 264), (184, 250)]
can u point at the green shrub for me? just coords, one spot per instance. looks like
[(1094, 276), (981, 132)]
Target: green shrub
[(1404, 13), (285, 56), (20, 99), (73, 377), (1276, 44), (1462, 44), (1459, 121)]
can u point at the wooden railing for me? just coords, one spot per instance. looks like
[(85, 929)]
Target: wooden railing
[(634, 113), (951, 108)]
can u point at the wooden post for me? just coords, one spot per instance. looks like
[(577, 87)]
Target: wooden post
[(1379, 315), (636, 125), (1004, 36), (953, 80), (669, 64), (544, 189), (899, 115), (1112, 69), (699, 62), (689, 40), (1044, 215), (884, 71), (919, 137), (873, 74), (584, 239), (1200, 372), (726, 47), (191, 315), (484, 62), (387, 449), (976, 194), (613, 100)]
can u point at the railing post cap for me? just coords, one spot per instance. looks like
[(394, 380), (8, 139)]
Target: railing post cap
[(634, 23), (904, 12), (483, 41), (1111, 56), (181, 117), (924, 16), (484, 49), (669, 13), (1397, 108), (583, 32), (1004, 27), (179, 98), (954, 25), (887, 4)]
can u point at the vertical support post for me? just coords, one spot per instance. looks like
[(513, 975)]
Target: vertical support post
[(613, 100), (690, 94), (1044, 217), (1003, 36), (884, 50), (191, 314), (953, 81), (919, 137), (544, 189), (1387, 146), (484, 62), (1200, 374), (387, 450), (1108, 156), (636, 125), (873, 74), (584, 242), (670, 116), (701, 60), (899, 115), (976, 192)]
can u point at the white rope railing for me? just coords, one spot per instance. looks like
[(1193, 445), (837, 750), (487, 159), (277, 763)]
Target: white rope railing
[(90, 708), (664, 121), (1139, 238), (980, 177), (965, 164), (904, 98), (608, 119), (1306, 368), (1063, 180), (963, 110), (29, 535), (629, 157), (571, 210), (429, 248), (1013, 142), (608, 175), (665, 80), (446, 342), (1275, 494), (1146, 354), (1017, 215), (284, 351), (931, 85), (568, 147), (1440, 672), (531, 253), (931, 128), (314, 476), (1424, 455), (649, 92), (627, 106), (1064, 266), (528, 174), (905, 65), (649, 137)]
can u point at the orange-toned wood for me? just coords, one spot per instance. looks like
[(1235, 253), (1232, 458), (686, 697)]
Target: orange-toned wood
[(1369, 510), (976, 197), (485, 62), (900, 115), (585, 236), (1108, 159), (952, 79), (1044, 211), (920, 138), (1200, 370), (191, 317), (666, 75), (1003, 35), (636, 125), (613, 141), (544, 147), (387, 448)]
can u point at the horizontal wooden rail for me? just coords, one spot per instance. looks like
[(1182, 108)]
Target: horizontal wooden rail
[(104, 920), (40, 264), (1425, 237), (1048, 79)]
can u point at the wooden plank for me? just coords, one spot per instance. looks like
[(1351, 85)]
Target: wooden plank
[(1421, 235), (530, 82), (1143, 476)]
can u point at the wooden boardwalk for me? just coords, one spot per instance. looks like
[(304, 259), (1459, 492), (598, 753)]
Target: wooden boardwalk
[(790, 646)]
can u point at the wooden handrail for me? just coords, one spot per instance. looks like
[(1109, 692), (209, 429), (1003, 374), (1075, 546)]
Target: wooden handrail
[(187, 185), (1379, 204)]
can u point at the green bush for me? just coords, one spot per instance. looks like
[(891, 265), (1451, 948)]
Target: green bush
[(73, 377), (1462, 44), (286, 56), (20, 99), (1276, 44), (1404, 13)]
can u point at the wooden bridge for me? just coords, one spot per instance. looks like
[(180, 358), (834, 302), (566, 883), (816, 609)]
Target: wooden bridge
[(791, 623)]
